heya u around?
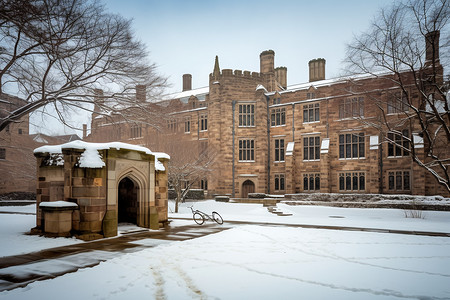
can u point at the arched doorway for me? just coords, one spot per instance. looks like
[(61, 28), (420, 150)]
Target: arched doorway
[(128, 201), (247, 187)]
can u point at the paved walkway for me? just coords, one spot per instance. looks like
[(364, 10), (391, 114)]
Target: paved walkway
[(21, 270)]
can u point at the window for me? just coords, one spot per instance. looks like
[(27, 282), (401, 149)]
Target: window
[(351, 145), (311, 113), (279, 150), (351, 107), (2, 153), (246, 115), (398, 144), (310, 95), (397, 103), (204, 184), (187, 124), (276, 101), (278, 117), (203, 122), (311, 182), (311, 148), (20, 131), (399, 181), (352, 181), (279, 182), (246, 150), (136, 131), (172, 125)]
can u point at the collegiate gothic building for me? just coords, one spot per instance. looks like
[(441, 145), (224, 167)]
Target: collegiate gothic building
[(319, 136)]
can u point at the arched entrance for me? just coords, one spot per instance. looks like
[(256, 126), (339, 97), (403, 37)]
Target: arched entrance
[(247, 187), (128, 201)]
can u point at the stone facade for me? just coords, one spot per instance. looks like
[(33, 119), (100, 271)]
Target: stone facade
[(312, 137), (16, 150), (125, 187)]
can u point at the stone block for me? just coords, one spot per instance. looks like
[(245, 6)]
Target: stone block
[(85, 191), (154, 221), (109, 224), (58, 222), (95, 226), (89, 217), (95, 208)]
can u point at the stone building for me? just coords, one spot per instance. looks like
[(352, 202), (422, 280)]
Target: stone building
[(304, 138), (86, 189), (17, 162)]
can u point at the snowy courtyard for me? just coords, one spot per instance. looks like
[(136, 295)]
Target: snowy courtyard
[(256, 261)]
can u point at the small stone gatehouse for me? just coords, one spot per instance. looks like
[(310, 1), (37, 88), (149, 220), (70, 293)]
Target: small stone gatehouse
[(87, 189)]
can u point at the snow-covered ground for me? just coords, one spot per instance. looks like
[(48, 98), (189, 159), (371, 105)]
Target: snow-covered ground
[(264, 262)]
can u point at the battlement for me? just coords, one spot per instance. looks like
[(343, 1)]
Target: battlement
[(236, 73)]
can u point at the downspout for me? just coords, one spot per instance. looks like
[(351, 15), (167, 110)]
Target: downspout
[(381, 190), (268, 146), (293, 122), (233, 106)]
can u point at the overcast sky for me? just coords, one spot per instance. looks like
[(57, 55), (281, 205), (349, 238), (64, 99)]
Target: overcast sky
[(184, 36)]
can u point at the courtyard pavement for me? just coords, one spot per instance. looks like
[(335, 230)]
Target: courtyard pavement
[(21, 270)]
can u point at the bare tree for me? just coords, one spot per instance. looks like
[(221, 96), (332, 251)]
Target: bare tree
[(190, 162), (59, 52), (402, 48)]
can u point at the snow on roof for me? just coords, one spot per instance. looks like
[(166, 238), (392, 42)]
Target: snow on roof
[(91, 161), (194, 92), (325, 82), (261, 87)]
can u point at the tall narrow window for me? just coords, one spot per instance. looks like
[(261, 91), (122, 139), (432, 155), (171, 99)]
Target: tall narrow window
[(352, 181), (397, 102), (399, 181), (172, 125), (279, 150), (187, 124), (311, 113), (246, 150), (398, 144), (2, 153), (279, 182), (311, 148), (203, 122), (136, 131), (351, 145), (278, 117), (311, 182), (246, 115), (351, 107)]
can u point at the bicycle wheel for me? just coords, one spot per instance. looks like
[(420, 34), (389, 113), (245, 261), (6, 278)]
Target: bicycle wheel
[(217, 218), (198, 218)]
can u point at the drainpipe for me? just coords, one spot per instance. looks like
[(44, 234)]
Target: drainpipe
[(268, 146), (293, 118), (233, 106), (381, 166)]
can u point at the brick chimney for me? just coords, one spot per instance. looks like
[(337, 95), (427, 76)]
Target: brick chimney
[(98, 99), (316, 69), (187, 82), (432, 46), (141, 91), (267, 59), (84, 131), (281, 76)]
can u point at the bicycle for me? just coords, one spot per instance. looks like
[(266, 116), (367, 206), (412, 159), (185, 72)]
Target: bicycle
[(200, 217)]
